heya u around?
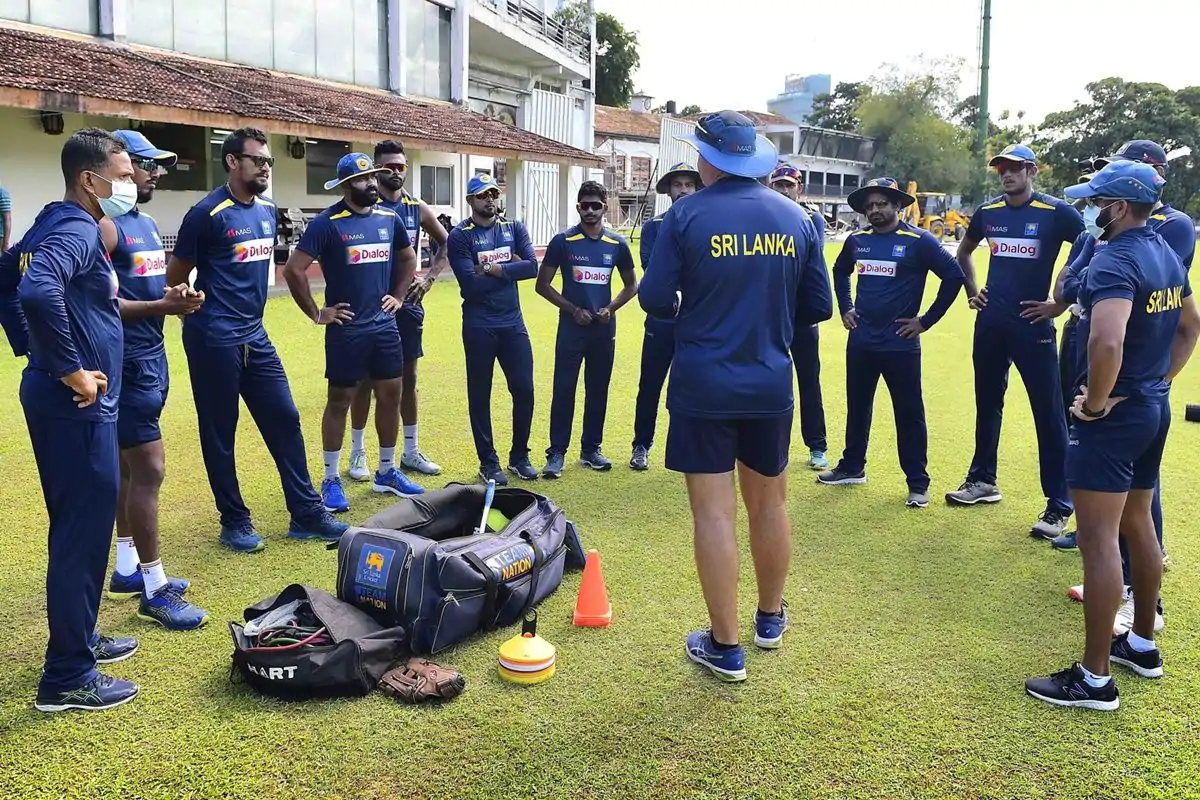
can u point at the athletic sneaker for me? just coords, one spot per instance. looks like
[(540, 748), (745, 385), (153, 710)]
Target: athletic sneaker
[(395, 482), (102, 693), (817, 460), (596, 460), (1123, 622), (1076, 593), (728, 665), (358, 465), (1065, 542), (123, 587), (324, 527), (111, 649), (241, 538), (917, 500), (417, 462), (522, 469), (1148, 664), (554, 466), (972, 492), (640, 460), (168, 608), (839, 477), (1050, 524), (333, 496), (769, 628), (492, 472), (1070, 688)]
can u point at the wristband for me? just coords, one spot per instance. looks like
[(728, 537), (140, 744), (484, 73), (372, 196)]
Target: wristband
[(1087, 412)]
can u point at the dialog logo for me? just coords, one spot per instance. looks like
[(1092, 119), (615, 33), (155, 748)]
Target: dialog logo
[(1016, 248), (501, 255), (253, 250), (883, 269), (593, 276), (369, 253), (149, 263)]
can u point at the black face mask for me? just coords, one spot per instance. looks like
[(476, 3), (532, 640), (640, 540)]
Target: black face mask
[(1105, 219)]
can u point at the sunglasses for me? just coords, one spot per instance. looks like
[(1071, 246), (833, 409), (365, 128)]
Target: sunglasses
[(490, 194), (395, 169), (147, 164), (258, 161), (591, 206)]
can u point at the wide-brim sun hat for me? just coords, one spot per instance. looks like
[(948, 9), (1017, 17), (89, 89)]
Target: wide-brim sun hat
[(728, 141)]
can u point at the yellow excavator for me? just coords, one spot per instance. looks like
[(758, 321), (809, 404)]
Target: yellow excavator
[(937, 212)]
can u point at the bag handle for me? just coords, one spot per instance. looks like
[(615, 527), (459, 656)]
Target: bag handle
[(492, 589), (539, 560)]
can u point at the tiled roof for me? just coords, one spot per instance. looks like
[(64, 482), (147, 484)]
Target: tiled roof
[(621, 123), (87, 68)]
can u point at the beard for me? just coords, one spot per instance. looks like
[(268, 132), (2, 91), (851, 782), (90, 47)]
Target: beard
[(392, 184), (363, 197), (144, 195), (257, 185)]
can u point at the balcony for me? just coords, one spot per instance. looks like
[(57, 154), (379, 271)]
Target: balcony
[(519, 31)]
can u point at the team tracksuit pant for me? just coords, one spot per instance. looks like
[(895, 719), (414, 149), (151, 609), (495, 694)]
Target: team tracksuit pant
[(510, 346), (594, 347), (658, 348), (806, 356)]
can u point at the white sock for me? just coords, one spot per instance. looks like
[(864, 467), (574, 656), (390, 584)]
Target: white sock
[(387, 459), (410, 440), (1139, 644), (356, 440), (154, 577), (127, 557), (1094, 680), (333, 459)]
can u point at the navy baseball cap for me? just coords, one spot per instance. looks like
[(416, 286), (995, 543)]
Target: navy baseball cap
[(889, 187), (139, 147), (728, 141), (481, 183), (1142, 150), (1014, 152), (682, 168), (1121, 180), (351, 166)]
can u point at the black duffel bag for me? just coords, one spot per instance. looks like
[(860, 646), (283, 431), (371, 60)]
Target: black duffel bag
[(421, 565), (355, 652)]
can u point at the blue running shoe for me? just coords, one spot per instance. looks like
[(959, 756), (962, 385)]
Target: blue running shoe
[(1064, 542), (241, 538), (492, 472), (523, 469), (395, 482), (596, 460), (333, 496), (728, 665), (555, 462), (123, 587), (769, 628), (168, 608), (324, 527), (101, 694), (110, 650), (817, 460)]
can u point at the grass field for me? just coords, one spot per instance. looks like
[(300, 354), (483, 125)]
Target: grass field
[(902, 676)]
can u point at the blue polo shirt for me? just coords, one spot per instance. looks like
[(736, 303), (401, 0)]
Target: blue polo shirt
[(357, 253), (587, 266), (749, 265), (1025, 242), (58, 290), (232, 246), (141, 265), (892, 268), (1139, 266), (491, 301)]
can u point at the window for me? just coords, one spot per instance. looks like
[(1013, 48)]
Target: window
[(427, 49), (321, 160), (639, 172), (191, 171), (437, 185), (71, 15), (501, 168)]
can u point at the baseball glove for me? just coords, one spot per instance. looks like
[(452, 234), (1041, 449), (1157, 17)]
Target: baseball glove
[(420, 680)]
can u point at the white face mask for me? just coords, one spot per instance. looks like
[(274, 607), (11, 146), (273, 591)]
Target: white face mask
[(123, 198), (1090, 215)]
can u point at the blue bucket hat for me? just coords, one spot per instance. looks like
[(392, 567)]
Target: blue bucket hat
[(728, 141), (1133, 181), (481, 183), (888, 187), (351, 166), (139, 147), (682, 168), (1142, 150), (1014, 152)]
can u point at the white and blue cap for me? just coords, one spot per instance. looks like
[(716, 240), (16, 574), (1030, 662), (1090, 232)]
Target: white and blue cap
[(351, 166), (138, 146), (1133, 181), (728, 141)]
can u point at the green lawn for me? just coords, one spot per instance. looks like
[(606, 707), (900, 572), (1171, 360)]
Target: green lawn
[(902, 676)]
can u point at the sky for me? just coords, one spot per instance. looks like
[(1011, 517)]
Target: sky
[(720, 54)]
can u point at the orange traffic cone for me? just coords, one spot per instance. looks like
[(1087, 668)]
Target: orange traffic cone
[(592, 609)]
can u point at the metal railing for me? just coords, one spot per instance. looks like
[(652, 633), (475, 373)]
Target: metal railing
[(532, 19)]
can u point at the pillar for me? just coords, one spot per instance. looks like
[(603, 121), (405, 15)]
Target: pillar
[(114, 19), (515, 189), (460, 49), (566, 201), (395, 47)]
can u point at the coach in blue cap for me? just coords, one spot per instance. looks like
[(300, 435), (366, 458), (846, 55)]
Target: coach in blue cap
[(748, 268), (1142, 325)]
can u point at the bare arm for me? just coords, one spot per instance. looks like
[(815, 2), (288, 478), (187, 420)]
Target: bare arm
[(295, 271), (1186, 335), (965, 260), (1106, 347), (178, 271), (438, 233), (406, 267), (627, 293), (7, 216), (545, 287)]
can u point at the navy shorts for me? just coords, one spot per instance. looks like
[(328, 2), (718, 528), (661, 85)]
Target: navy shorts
[(1122, 451), (352, 358), (144, 385), (699, 445), (410, 321)]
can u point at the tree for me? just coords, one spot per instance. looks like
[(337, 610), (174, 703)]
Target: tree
[(685, 111), (616, 60), (838, 110)]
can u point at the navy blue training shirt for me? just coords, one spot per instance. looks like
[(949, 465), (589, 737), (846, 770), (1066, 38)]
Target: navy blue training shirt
[(408, 210), (358, 254), (65, 311), (750, 268), (645, 250), (491, 301), (891, 269), (1137, 265), (587, 266), (141, 265), (1178, 230), (232, 245), (1025, 242)]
